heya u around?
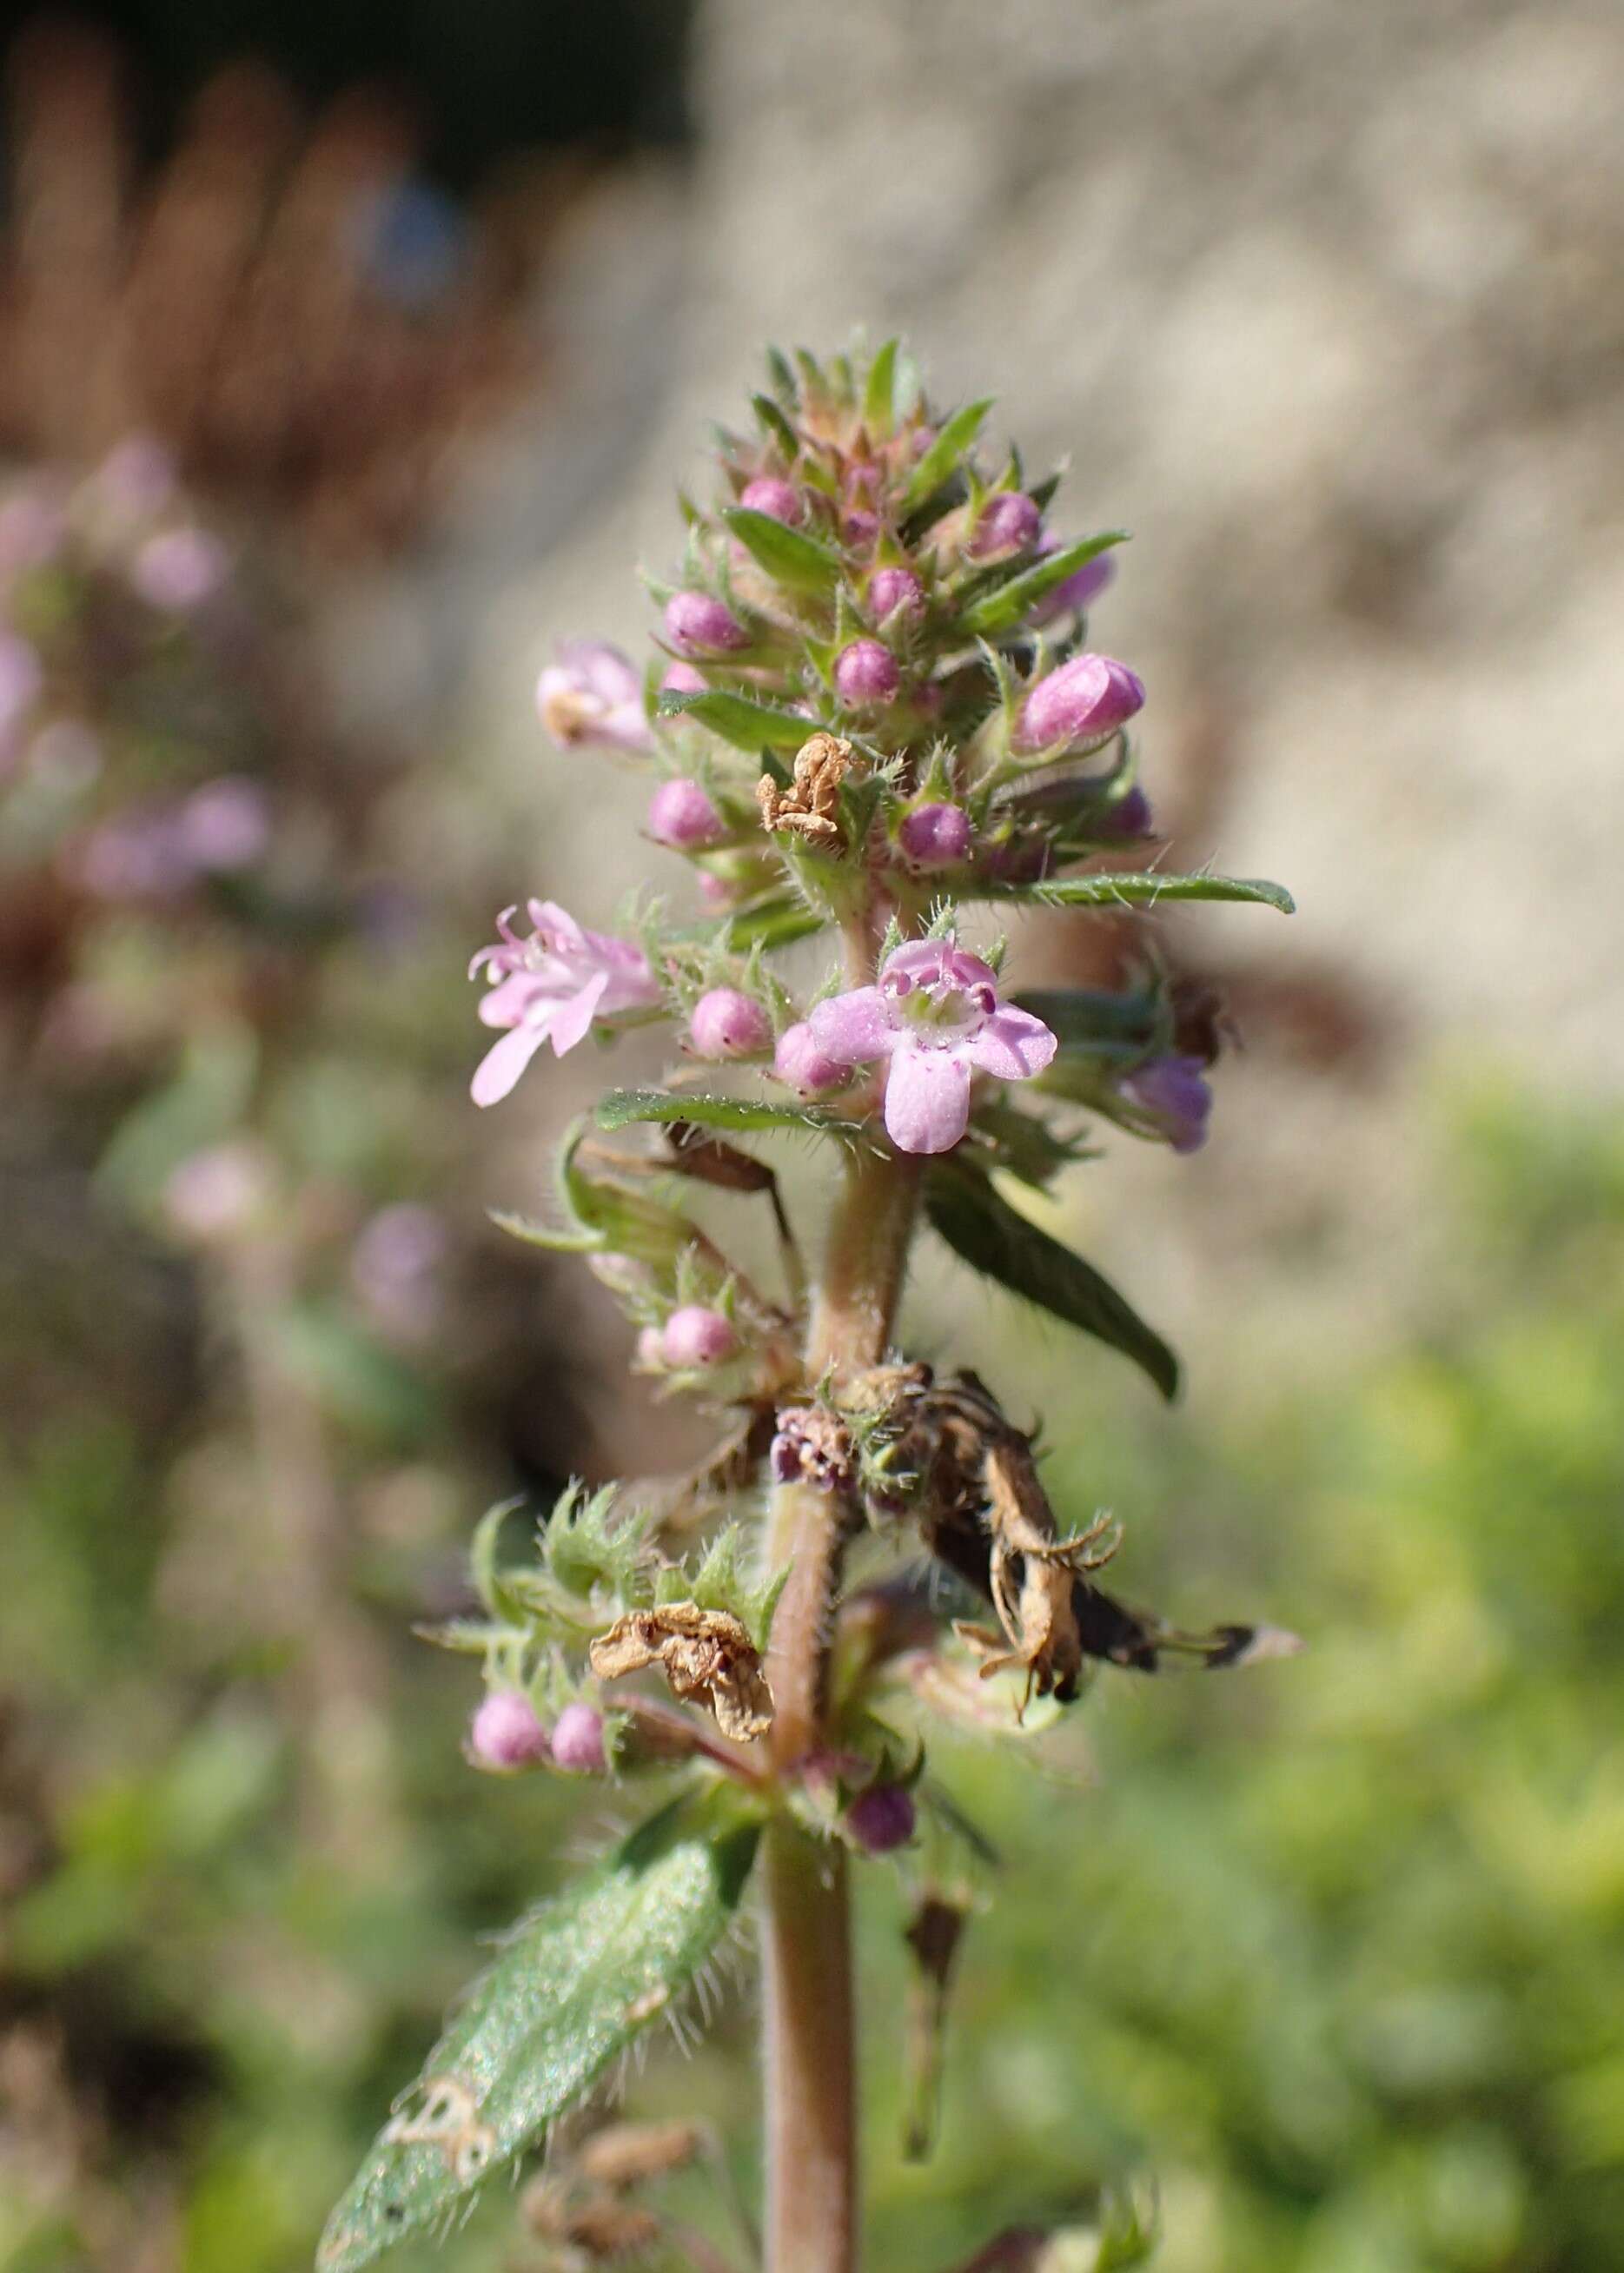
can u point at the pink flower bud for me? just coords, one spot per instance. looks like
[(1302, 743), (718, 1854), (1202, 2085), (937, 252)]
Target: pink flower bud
[(882, 1818), (860, 527), (1079, 590), (1171, 1090), (578, 1741), (698, 624), (936, 835), (729, 1024), (866, 672), (682, 816), (800, 1061), (1083, 700), (891, 589), (1009, 522), (682, 679), (694, 1335), (504, 1734), (772, 497)]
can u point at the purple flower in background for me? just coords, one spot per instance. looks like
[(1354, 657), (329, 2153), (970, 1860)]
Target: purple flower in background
[(178, 570), (21, 677), (552, 987), (506, 1734), (1173, 1092), (1083, 700), (32, 526), (137, 478), (593, 695), (1079, 589), (935, 1015), (697, 623), (578, 1741), (225, 825), (394, 1266), (217, 1192)]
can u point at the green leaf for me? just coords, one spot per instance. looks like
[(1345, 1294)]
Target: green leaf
[(621, 1107), (789, 556), (738, 720), (774, 923), (778, 425), (1098, 1020), (985, 1232), (577, 1982), (1010, 603), (1146, 888), (880, 395), (534, 1232), (942, 457)]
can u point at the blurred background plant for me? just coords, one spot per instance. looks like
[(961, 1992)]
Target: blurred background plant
[(390, 380)]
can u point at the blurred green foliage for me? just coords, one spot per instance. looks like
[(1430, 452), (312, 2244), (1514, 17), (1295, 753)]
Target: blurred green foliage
[(1332, 1948)]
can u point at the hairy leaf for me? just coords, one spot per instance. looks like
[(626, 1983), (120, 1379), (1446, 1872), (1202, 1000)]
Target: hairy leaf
[(774, 923), (576, 1983), (789, 556), (991, 1237), (879, 396), (621, 1107), (1146, 888), (747, 725), (1010, 603)]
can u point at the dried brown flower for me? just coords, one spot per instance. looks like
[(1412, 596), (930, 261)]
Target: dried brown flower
[(810, 807), (706, 1656), (630, 2153)]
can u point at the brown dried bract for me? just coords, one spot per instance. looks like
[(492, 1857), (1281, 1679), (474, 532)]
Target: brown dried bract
[(603, 2230), (706, 1656), (810, 807), (630, 2153), (1033, 1572)]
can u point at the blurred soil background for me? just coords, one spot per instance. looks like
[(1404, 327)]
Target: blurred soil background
[(348, 358)]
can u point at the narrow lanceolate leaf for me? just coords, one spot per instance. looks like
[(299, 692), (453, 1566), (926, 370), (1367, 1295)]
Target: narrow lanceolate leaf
[(989, 1234), (1146, 888), (942, 457), (622, 1106), (1010, 603), (747, 725), (789, 556), (774, 923), (879, 395), (576, 1983)]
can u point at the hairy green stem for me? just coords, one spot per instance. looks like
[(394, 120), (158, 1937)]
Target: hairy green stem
[(811, 2097)]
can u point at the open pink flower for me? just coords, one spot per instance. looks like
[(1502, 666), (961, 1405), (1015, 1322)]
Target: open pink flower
[(592, 694), (935, 1015), (551, 988)]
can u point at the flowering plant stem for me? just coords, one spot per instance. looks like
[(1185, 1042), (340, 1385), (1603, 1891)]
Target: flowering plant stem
[(811, 2100)]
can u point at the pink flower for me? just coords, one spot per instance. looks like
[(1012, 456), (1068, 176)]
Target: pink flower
[(552, 987), (771, 496), (225, 825), (684, 817), (682, 679), (697, 624), (935, 1015), (1171, 1090), (506, 1734), (593, 695), (729, 1024), (1083, 701), (178, 570), (866, 672)]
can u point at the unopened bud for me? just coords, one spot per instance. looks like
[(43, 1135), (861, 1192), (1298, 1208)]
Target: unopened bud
[(698, 624), (891, 589), (682, 679), (578, 1741), (800, 1061), (684, 817), (1008, 522), (774, 498), (866, 672), (882, 1818), (504, 1734), (729, 1024), (936, 835), (696, 1336), (1172, 1092), (1083, 700)]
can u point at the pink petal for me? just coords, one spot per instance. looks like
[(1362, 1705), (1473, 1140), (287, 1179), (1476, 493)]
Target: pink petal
[(854, 1028), (564, 933), (1013, 1045), (506, 1003), (502, 1064), (571, 1021), (926, 1100)]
